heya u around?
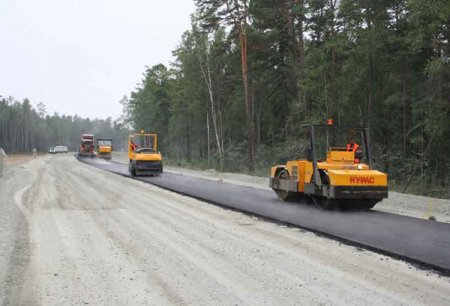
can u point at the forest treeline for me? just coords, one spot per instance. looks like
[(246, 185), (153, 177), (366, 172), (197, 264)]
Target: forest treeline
[(249, 73), (23, 128)]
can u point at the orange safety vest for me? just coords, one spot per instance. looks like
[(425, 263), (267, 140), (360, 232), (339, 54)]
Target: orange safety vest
[(352, 147)]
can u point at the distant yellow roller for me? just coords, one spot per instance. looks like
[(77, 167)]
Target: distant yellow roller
[(144, 157), (104, 148)]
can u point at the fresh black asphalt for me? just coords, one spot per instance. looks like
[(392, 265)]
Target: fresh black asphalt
[(416, 240)]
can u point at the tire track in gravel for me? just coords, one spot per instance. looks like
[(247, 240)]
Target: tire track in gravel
[(165, 223), (14, 234), (171, 208), (323, 256), (65, 250), (122, 238), (99, 218), (106, 240)]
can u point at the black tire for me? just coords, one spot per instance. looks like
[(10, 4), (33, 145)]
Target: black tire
[(160, 171), (132, 169), (284, 195)]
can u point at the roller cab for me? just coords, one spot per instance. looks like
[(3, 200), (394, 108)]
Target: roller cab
[(335, 172), (143, 155)]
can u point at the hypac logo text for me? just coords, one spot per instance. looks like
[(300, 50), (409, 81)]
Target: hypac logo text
[(362, 180)]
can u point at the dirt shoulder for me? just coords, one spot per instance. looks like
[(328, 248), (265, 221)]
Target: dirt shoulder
[(17, 158), (14, 233), (397, 203)]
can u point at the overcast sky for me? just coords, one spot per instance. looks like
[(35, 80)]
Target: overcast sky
[(82, 56)]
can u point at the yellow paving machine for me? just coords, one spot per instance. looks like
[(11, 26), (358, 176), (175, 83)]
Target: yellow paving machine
[(143, 155), (336, 172), (104, 148)]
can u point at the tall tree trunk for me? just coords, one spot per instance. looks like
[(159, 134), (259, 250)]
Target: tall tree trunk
[(404, 127), (188, 139), (208, 82), (240, 20), (301, 58), (221, 134), (333, 102), (248, 101), (370, 68), (208, 139)]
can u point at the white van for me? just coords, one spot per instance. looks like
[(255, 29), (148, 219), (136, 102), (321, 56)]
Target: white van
[(61, 149), (58, 149)]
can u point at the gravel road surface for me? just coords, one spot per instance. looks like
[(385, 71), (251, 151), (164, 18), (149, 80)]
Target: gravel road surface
[(392, 233), (71, 234)]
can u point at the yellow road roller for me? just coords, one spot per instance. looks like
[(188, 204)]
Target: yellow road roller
[(104, 148), (336, 171), (143, 155)]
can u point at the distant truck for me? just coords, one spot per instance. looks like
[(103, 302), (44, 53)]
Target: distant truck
[(86, 148), (104, 148)]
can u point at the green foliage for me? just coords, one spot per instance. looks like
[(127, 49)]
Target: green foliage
[(23, 128), (384, 64)]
